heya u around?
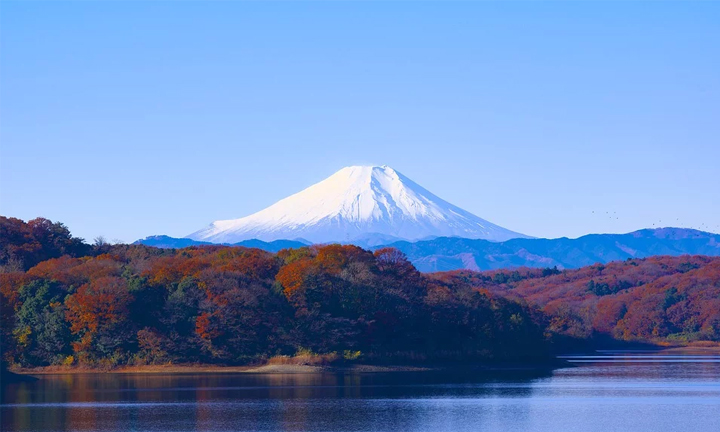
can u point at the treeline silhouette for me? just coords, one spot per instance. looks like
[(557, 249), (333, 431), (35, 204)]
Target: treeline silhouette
[(66, 302)]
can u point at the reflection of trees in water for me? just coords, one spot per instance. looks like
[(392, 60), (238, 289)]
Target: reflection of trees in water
[(270, 402)]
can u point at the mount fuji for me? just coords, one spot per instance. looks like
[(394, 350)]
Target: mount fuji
[(355, 204)]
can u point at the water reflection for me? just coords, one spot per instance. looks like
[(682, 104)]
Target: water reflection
[(597, 396)]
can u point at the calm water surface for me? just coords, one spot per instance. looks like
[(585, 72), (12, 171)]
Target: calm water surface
[(606, 392)]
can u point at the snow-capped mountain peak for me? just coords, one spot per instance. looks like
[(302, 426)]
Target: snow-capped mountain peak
[(353, 203)]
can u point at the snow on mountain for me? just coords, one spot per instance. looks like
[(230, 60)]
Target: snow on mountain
[(356, 203)]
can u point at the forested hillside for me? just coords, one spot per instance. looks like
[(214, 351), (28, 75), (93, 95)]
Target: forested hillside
[(64, 302), (22, 245), (658, 299), (133, 304)]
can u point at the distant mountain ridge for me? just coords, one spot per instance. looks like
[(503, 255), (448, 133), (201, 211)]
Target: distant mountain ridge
[(453, 253), (446, 253), (167, 242), (357, 204)]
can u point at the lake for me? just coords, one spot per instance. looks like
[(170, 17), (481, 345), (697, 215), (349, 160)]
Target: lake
[(613, 391)]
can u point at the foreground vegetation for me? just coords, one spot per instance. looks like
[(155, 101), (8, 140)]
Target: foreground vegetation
[(130, 304), (660, 300), (64, 302)]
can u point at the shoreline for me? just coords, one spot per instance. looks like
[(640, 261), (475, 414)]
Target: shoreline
[(281, 369)]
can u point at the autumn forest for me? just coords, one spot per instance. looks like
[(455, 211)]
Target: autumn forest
[(66, 302)]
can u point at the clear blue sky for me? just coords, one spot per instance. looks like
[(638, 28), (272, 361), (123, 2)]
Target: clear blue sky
[(129, 119)]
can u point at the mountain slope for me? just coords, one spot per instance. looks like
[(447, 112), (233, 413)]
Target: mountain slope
[(353, 204), (443, 254)]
